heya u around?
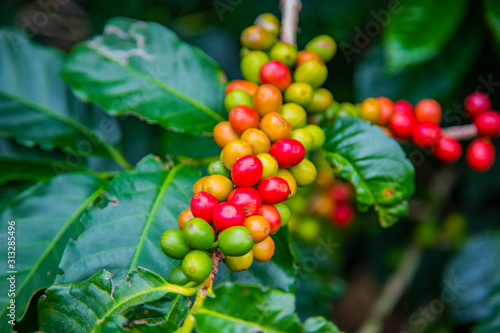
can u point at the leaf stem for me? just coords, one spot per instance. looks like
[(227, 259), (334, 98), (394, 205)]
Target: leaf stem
[(289, 20)]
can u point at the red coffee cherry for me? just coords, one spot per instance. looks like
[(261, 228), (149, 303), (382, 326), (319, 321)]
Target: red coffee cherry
[(288, 152), (243, 117), (247, 171), (487, 123), (402, 106), (276, 73), (273, 190), (272, 215), (341, 192), (402, 124), (426, 134), (428, 110), (227, 215), (203, 205), (448, 149), (480, 154), (477, 102), (343, 215), (246, 198)]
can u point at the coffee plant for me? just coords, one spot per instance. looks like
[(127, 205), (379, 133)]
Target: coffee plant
[(144, 191)]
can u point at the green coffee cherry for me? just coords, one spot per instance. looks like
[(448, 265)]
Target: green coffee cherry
[(324, 46), (318, 135), (251, 64), (304, 173), (294, 114), (269, 22), (313, 72), (173, 244), (239, 264), (177, 276), (218, 168), (322, 100), (284, 52), (284, 213), (198, 234), (300, 93), (237, 97), (257, 38), (244, 51), (197, 265), (235, 241), (304, 136)]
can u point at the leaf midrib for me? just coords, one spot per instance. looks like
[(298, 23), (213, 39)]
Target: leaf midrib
[(57, 237), (163, 86), (159, 197)]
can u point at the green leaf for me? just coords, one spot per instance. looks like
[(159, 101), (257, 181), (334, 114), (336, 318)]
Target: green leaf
[(319, 325), (186, 144), (37, 108), (144, 203), (143, 69), (374, 163), (47, 216), (86, 306), (21, 163), (257, 310), (470, 276), (492, 16), (436, 79), (420, 30), (492, 323), (279, 273)]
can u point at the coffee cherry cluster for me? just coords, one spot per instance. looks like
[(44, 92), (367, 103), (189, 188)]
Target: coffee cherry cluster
[(421, 125), (239, 204)]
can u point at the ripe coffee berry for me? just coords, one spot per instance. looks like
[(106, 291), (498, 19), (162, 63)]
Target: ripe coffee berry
[(247, 171), (276, 73), (341, 192), (428, 110), (402, 106), (271, 214), (487, 123), (227, 215), (386, 110), (203, 205), (448, 149), (480, 154), (402, 123), (243, 117), (426, 134), (273, 190), (343, 215), (246, 198), (477, 102), (288, 152)]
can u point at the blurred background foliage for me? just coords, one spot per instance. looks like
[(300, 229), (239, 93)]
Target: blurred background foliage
[(399, 49)]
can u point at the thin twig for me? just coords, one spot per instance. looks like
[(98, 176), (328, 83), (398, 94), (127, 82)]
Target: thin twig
[(464, 132), (289, 20), (393, 290)]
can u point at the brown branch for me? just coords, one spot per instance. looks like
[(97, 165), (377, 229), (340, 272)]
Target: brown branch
[(393, 290), (464, 132), (289, 20)]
